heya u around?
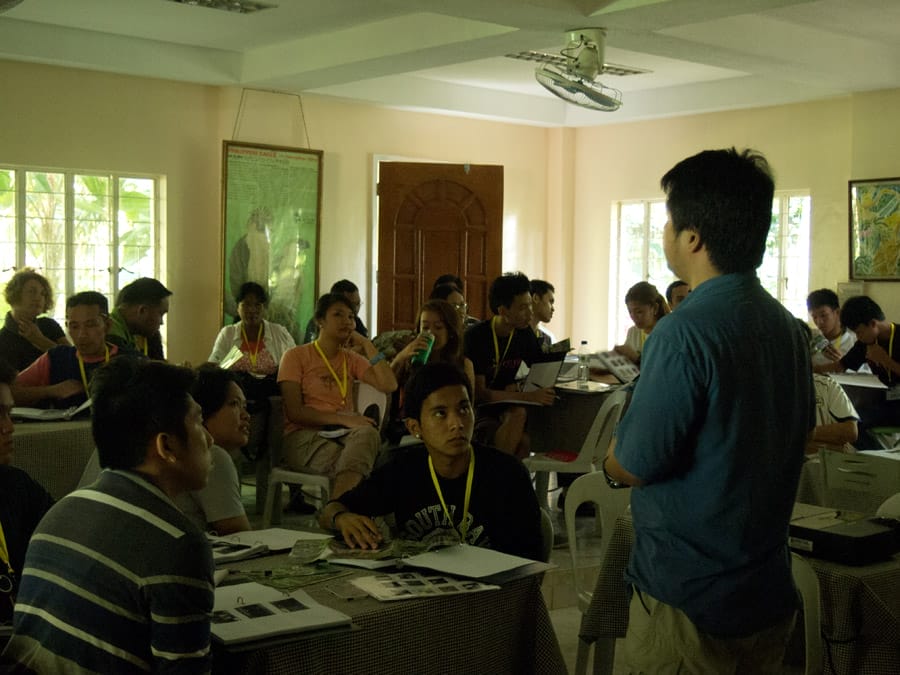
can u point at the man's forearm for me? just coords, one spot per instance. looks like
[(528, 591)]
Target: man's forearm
[(616, 471)]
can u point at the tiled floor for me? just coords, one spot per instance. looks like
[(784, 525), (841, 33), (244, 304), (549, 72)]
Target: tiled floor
[(559, 593)]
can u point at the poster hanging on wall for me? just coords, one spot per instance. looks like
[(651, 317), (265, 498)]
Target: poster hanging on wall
[(271, 201), (875, 229)]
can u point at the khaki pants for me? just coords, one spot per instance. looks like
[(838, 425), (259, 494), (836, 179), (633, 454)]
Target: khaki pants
[(662, 640), (307, 451)]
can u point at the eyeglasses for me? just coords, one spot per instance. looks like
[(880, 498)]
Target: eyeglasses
[(461, 306)]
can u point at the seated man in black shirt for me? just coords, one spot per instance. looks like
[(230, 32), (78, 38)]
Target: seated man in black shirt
[(497, 347), (350, 291), (875, 347), (449, 490)]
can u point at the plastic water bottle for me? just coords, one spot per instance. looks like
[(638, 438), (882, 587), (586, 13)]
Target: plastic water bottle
[(819, 343), (421, 358), (584, 365)]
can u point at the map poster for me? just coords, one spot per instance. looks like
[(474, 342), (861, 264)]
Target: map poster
[(271, 201), (875, 229)]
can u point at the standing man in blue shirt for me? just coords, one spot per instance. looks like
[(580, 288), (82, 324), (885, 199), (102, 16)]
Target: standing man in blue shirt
[(713, 439)]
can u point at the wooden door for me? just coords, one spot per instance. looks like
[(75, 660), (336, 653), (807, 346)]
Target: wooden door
[(436, 219)]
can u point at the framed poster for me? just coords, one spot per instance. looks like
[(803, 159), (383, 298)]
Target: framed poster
[(271, 201), (875, 229)]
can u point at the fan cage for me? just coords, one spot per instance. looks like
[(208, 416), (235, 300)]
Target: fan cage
[(586, 94)]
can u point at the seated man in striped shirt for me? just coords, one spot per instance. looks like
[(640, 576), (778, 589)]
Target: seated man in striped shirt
[(116, 578)]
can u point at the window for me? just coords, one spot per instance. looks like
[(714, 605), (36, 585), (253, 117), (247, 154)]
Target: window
[(638, 254), (81, 230), (785, 268)]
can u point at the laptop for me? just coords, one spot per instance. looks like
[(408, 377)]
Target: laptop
[(544, 371)]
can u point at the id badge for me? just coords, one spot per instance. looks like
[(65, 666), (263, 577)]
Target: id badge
[(893, 393)]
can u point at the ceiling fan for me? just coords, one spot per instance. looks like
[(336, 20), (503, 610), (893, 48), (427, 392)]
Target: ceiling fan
[(572, 74)]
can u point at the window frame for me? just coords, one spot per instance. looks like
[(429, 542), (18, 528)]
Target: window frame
[(69, 177), (619, 286)]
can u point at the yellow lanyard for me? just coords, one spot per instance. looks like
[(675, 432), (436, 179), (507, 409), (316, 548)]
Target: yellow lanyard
[(4, 552), (84, 379), (142, 344), (463, 524), (342, 386), (252, 355), (497, 345)]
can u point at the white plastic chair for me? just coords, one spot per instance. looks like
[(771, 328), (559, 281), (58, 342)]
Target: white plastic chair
[(807, 584), (609, 505), (546, 536), (890, 507), (858, 481), (592, 450), (364, 396)]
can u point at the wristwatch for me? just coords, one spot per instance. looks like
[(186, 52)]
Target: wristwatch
[(378, 358), (612, 482)]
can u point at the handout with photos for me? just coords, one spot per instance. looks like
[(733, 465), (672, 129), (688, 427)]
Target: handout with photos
[(251, 611), (404, 585)]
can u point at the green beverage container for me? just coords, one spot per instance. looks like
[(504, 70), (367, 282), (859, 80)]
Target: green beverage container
[(421, 358)]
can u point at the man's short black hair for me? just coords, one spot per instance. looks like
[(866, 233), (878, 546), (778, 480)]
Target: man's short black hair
[(344, 286), (671, 287), (89, 298), (133, 401), (504, 290), (143, 291), (860, 310), (824, 297), (540, 287), (449, 279), (726, 198), (210, 388), (443, 291), (427, 380)]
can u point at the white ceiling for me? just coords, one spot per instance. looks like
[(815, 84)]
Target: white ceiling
[(447, 55)]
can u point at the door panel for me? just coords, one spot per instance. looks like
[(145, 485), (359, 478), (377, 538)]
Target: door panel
[(436, 219)]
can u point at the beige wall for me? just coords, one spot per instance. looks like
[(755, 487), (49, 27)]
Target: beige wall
[(816, 146), (559, 184), (86, 120)]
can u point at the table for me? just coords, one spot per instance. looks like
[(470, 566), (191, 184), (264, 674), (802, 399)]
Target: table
[(503, 631), (860, 608), (565, 424), (53, 453)]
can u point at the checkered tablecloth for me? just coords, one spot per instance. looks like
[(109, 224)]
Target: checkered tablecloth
[(860, 608), (502, 631), (53, 453)]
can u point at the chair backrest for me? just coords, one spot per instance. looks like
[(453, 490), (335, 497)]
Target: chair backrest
[(875, 478), (807, 584), (601, 432), (367, 395), (890, 507), (546, 536), (609, 504)]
